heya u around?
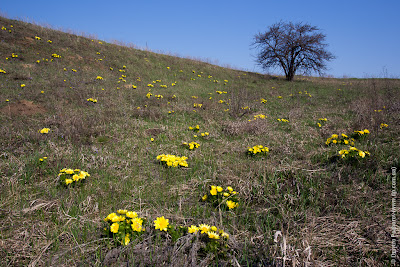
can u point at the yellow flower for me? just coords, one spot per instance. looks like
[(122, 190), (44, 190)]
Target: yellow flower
[(114, 228), (204, 198), (193, 229), (137, 225), (204, 228), (68, 181), (361, 154), (161, 223), (23, 85), (122, 211), (231, 204), (219, 189), (44, 130), (213, 235), (230, 189), (127, 240), (69, 171), (213, 190), (131, 214), (110, 216), (214, 228), (225, 235)]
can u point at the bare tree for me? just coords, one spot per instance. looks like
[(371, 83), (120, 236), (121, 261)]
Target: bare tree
[(293, 47)]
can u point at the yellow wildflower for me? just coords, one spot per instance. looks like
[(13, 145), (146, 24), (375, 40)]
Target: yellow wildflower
[(161, 223)]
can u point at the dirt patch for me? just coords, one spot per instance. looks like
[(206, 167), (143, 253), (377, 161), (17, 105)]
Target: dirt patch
[(23, 107)]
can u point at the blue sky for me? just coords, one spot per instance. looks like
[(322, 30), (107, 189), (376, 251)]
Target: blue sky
[(363, 35)]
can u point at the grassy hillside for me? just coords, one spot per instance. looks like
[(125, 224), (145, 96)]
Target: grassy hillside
[(112, 110)]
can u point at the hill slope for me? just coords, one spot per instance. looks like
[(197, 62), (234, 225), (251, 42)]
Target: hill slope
[(112, 110)]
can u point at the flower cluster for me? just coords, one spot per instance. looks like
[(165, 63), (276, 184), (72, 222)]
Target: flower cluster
[(212, 232), (217, 196), (195, 128), (69, 176), (172, 160), (259, 116), (383, 125), (55, 55), (342, 139), (191, 145), (124, 225), (353, 152), (283, 120), (44, 130), (196, 105), (321, 122), (259, 149), (99, 78), (91, 100), (2, 71), (203, 134), (360, 134)]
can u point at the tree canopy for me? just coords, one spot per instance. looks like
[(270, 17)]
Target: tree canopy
[(292, 47)]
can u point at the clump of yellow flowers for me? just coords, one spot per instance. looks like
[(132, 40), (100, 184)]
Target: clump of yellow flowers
[(91, 100), (259, 149), (383, 125), (191, 145), (55, 55), (44, 131), (340, 139), (283, 120), (70, 176), (220, 197), (172, 160), (124, 225), (321, 122), (360, 134), (195, 128), (354, 153), (259, 116), (212, 232)]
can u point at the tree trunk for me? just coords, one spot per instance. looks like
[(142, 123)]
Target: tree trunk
[(290, 75)]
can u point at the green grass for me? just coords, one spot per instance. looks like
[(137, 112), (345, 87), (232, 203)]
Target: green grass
[(329, 211)]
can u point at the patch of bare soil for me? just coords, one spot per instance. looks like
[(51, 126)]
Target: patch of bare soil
[(23, 107)]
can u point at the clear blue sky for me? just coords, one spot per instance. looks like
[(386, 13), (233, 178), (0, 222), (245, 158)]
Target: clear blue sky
[(364, 35)]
